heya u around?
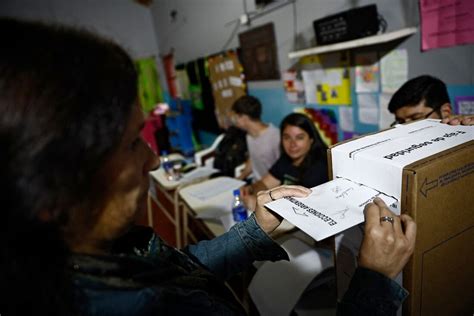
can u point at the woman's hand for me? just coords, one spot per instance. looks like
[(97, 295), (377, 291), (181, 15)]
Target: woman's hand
[(387, 246), (267, 219)]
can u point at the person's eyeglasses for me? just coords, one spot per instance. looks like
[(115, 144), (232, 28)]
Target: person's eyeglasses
[(401, 121)]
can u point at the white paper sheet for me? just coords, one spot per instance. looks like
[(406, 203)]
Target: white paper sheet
[(394, 70), (385, 117), (227, 93), (209, 189), (334, 77), (368, 109), (346, 119), (331, 208), (311, 78), (270, 285), (198, 173), (235, 81)]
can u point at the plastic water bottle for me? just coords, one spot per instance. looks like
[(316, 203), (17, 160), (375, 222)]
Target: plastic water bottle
[(167, 165), (239, 211)]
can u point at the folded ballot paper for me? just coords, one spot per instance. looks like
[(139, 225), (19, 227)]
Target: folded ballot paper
[(365, 168)]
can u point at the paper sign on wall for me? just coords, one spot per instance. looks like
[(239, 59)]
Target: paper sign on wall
[(394, 70)]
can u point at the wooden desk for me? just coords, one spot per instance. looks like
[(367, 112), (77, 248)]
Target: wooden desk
[(163, 211), (164, 205), (206, 219)]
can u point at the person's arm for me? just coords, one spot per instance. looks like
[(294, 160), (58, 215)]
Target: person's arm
[(249, 192), (266, 182), (247, 170), (385, 250), (246, 241)]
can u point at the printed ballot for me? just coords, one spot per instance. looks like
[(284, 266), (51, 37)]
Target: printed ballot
[(365, 168), (331, 208)]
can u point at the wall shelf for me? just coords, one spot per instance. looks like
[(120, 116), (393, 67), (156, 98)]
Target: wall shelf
[(360, 42)]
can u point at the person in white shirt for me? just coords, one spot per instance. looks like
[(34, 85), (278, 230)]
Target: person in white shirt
[(263, 140)]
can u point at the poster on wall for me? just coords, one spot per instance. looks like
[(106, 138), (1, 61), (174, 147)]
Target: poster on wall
[(368, 108), (446, 23), (326, 79), (464, 105), (367, 72), (228, 84), (294, 87), (149, 90), (394, 70)]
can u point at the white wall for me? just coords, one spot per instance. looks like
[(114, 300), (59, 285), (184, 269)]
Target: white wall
[(125, 21)]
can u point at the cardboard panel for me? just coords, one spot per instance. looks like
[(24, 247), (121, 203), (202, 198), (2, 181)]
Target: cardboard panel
[(448, 277)]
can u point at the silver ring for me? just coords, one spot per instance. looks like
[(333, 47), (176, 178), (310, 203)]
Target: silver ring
[(386, 219), (271, 197)]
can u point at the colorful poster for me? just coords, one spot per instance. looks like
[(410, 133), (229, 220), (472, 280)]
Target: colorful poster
[(149, 90), (327, 76), (367, 72), (294, 87), (228, 84), (464, 105), (446, 23), (394, 70)]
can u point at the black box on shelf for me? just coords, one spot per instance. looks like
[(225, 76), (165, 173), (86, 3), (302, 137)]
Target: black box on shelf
[(348, 25)]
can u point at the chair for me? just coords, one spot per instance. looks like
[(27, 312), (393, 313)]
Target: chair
[(205, 157)]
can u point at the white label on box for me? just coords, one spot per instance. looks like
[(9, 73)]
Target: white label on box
[(378, 160)]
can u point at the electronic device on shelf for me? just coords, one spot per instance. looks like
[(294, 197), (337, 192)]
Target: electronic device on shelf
[(347, 25)]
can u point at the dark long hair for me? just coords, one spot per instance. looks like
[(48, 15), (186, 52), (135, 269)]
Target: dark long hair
[(318, 147), (65, 98)]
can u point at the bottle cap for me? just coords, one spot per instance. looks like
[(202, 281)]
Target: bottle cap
[(236, 192)]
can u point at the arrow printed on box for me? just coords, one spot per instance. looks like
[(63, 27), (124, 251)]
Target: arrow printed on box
[(428, 185), (298, 211)]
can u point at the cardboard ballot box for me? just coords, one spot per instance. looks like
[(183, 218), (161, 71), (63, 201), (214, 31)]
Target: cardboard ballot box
[(429, 168)]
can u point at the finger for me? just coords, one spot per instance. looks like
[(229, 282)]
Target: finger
[(385, 211), (454, 121), (289, 190), (467, 121), (380, 203), (372, 215), (410, 228), (397, 226)]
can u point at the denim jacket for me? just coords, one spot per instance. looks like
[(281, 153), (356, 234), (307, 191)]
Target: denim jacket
[(144, 276)]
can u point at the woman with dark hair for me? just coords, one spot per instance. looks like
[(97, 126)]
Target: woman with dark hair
[(302, 161), (74, 177)]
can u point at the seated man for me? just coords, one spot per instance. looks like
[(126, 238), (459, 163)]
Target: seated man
[(263, 140), (419, 98)]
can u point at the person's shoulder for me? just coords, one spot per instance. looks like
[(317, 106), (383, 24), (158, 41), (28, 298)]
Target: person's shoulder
[(273, 129)]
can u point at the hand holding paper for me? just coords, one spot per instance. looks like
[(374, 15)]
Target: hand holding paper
[(267, 220)]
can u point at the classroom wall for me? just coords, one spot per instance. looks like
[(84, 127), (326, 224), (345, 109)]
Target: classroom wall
[(125, 21), (203, 27)]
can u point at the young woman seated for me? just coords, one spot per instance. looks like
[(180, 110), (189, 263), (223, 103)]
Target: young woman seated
[(303, 160)]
